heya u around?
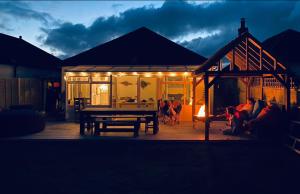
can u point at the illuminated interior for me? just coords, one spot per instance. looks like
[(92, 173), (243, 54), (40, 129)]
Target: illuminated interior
[(128, 89)]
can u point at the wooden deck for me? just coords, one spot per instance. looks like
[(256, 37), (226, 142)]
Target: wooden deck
[(182, 131)]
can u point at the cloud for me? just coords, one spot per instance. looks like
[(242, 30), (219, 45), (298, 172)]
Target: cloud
[(10, 11), (177, 20)]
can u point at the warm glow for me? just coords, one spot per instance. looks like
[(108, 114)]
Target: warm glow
[(65, 77), (160, 74), (173, 74), (83, 73), (185, 73), (147, 74), (103, 88), (108, 73), (191, 101), (70, 74), (201, 112), (121, 74), (134, 73)]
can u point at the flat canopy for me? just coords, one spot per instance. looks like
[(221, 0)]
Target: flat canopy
[(141, 47)]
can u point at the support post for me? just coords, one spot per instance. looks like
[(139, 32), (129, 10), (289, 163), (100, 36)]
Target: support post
[(288, 95), (247, 60), (262, 87), (194, 98), (206, 94)]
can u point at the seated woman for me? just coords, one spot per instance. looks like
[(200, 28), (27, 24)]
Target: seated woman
[(237, 115), (177, 108)]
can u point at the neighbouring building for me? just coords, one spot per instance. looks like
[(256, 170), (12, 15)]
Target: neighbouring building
[(28, 75)]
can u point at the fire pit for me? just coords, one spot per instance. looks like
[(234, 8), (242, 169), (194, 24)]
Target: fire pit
[(200, 117)]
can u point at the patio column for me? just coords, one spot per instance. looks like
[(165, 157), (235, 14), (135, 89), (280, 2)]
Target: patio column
[(206, 95), (288, 94), (194, 98)]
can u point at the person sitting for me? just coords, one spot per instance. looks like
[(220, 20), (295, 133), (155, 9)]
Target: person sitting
[(237, 115), (177, 108), (269, 123), (164, 107)]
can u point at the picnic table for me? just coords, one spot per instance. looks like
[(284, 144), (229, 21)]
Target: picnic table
[(87, 113)]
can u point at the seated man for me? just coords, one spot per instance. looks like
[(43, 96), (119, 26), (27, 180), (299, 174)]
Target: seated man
[(269, 123)]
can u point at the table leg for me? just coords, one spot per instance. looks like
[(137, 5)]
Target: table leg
[(155, 123), (82, 123)]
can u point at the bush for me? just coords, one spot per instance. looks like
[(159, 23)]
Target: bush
[(20, 122)]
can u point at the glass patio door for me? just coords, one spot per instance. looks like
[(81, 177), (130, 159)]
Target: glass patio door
[(100, 94)]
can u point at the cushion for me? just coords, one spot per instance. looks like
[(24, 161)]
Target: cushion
[(258, 106)]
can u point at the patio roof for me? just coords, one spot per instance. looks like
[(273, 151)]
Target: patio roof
[(249, 55), (18, 52), (141, 47)]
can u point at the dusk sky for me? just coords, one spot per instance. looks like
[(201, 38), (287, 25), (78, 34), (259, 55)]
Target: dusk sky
[(66, 28)]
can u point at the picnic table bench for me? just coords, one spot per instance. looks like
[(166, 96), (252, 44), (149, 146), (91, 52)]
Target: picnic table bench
[(107, 119)]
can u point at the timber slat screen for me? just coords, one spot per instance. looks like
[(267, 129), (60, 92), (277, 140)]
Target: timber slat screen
[(21, 91)]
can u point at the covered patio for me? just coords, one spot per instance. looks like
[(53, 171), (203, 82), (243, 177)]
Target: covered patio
[(257, 70)]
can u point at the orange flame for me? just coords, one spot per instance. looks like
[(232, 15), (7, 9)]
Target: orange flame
[(201, 112)]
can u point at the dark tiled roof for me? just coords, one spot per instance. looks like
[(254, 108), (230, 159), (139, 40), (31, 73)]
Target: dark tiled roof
[(140, 47), (16, 51), (285, 46)]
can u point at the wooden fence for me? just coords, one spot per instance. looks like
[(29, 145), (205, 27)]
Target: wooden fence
[(18, 91)]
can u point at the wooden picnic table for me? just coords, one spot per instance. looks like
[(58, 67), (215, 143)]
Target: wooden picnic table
[(87, 113)]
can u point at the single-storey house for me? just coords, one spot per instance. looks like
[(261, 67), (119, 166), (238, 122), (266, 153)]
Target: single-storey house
[(134, 70)]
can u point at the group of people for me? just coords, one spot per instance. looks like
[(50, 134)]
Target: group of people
[(169, 111), (253, 117)]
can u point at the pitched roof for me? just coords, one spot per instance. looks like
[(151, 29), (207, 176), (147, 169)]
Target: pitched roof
[(285, 46), (140, 47), (16, 51), (253, 47)]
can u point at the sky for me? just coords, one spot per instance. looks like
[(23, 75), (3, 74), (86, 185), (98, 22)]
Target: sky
[(66, 28)]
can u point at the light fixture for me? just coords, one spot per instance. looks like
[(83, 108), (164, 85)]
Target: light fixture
[(70, 74), (103, 88), (185, 73), (83, 73), (108, 73), (160, 74), (134, 73), (147, 74), (173, 74)]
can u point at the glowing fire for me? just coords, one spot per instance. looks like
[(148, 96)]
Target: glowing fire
[(201, 112)]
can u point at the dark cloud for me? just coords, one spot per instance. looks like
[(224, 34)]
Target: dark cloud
[(177, 19), (21, 10)]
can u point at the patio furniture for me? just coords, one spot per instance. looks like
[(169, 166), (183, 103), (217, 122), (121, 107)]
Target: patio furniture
[(107, 124), (140, 114)]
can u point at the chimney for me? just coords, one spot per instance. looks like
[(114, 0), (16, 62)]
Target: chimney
[(20, 37), (243, 28)]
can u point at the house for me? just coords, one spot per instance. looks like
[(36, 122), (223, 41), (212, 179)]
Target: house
[(28, 74), (134, 70)]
